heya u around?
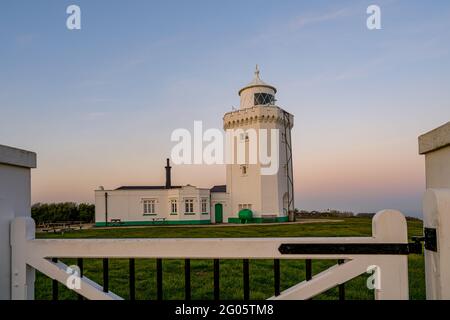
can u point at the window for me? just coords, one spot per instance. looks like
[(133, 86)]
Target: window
[(149, 206), (244, 136), (244, 206), (204, 205), (244, 170), (189, 206), (173, 207), (264, 98)]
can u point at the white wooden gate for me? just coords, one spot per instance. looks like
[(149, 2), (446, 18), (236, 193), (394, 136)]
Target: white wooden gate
[(386, 250)]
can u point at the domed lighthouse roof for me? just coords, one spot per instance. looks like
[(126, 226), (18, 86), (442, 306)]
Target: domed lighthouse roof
[(257, 82), (257, 93)]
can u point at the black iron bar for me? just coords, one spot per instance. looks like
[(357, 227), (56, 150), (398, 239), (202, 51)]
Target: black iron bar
[(341, 286), (308, 269), (246, 276), (105, 275), (276, 276), (55, 284), (187, 279), (159, 279), (216, 279), (132, 279), (80, 265)]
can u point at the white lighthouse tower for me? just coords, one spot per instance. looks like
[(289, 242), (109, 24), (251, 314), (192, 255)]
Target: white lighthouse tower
[(254, 196)]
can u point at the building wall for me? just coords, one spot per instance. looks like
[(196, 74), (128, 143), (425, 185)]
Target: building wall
[(435, 145), (128, 206), (264, 192), (438, 168)]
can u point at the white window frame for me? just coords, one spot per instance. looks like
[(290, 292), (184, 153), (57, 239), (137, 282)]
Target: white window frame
[(173, 204), (189, 206), (149, 206), (204, 205)]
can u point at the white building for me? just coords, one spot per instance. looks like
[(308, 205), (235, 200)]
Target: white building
[(248, 196)]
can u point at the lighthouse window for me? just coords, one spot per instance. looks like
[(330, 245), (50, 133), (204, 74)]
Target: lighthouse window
[(264, 98), (244, 206), (244, 136), (189, 206)]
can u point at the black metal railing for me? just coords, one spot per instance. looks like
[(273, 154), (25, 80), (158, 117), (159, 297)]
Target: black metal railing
[(187, 277)]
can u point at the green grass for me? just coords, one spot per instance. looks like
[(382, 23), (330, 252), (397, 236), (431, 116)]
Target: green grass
[(261, 271)]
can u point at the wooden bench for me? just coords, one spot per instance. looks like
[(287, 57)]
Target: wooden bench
[(159, 220), (116, 222)]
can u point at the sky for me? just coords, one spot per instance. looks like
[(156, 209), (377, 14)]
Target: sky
[(98, 105)]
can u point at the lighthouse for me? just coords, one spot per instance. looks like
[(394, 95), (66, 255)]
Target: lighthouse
[(255, 196), (255, 191)]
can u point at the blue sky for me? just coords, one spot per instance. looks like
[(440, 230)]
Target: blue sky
[(98, 104)]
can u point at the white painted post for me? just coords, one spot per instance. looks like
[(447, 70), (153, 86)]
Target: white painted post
[(435, 145), (22, 275), (15, 201), (389, 226)]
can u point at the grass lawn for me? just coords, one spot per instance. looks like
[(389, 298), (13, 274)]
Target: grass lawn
[(261, 271)]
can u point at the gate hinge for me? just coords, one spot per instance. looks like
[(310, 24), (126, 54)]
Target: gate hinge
[(430, 239)]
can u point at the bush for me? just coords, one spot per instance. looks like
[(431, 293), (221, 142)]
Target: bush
[(330, 213), (66, 211)]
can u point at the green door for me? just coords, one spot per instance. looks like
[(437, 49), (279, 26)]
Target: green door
[(218, 212)]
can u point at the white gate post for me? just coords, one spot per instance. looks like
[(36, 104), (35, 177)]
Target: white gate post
[(435, 145), (15, 201), (436, 210), (22, 275), (389, 226)]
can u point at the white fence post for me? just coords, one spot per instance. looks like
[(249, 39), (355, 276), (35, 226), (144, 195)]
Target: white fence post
[(22, 275), (435, 145)]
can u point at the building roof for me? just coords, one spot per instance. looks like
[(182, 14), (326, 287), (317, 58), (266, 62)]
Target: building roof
[(17, 157), (222, 188), (146, 187), (257, 82), (435, 139)]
